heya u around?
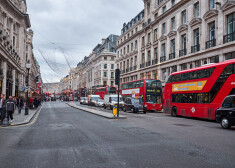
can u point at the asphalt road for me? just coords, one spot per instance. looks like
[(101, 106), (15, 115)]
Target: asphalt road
[(66, 137)]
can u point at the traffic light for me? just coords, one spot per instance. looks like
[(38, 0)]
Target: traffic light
[(117, 76)]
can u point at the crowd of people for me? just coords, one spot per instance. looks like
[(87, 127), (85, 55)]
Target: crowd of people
[(9, 106)]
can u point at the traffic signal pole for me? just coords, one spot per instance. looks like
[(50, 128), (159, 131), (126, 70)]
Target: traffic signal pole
[(117, 82)]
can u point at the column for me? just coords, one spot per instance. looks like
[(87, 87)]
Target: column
[(4, 82), (14, 82)]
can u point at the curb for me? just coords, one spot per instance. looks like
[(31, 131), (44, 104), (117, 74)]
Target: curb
[(87, 110), (24, 123)]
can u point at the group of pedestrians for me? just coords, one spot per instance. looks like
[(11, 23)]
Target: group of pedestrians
[(7, 108)]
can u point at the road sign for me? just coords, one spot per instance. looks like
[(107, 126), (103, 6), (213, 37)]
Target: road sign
[(114, 110)]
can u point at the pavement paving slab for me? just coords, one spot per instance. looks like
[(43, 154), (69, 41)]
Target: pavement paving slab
[(96, 112)]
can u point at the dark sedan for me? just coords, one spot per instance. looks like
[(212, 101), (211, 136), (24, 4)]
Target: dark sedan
[(225, 115), (134, 105)]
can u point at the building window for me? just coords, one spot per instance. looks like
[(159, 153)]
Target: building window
[(159, 2), (164, 74), (112, 74), (155, 35), (172, 2), (231, 23), (214, 59), (105, 66), (197, 63), (149, 56), (212, 31), (196, 37), (136, 44), (112, 83), (184, 17), (105, 58), (128, 49), (184, 41), (163, 9), (131, 46), (155, 53), (212, 4), (143, 58), (196, 10), (173, 23), (124, 50), (163, 50), (173, 46), (184, 66), (105, 74), (14, 41), (230, 55), (149, 37), (143, 41), (105, 83), (112, 66), (163, 28)]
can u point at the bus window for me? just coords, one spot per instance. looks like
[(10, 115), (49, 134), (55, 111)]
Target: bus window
[(193, 75), (185, 76), (141, 83), (137, 83)]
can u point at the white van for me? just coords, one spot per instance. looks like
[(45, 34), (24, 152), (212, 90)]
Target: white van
[(92, 99), (110, 100)]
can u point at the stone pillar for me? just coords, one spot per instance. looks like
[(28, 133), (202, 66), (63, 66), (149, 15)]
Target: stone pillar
[(14, 82), (4, 82)]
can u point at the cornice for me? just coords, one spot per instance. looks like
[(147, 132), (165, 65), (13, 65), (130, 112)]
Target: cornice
[(195, 21), (209, 14)]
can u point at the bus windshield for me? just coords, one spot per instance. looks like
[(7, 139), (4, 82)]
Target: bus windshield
[(111, 90), (153, 83), (153, 99)]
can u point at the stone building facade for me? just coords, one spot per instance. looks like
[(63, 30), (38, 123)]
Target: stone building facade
[(15, 43), (174, 35)]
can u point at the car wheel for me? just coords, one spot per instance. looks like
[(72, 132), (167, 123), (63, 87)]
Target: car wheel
[(104, 107), (225, 123), (174, 112), (124, 109)]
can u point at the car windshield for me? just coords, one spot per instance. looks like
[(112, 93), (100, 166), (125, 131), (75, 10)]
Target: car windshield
[(153, 99), (100, 100), (94, 98), (116, 99)]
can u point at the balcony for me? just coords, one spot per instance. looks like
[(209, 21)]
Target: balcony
[(229, 37), (154, 61), (195, 48), (142, 65), (127, 70), (123, 71), (211, 43), (182, 52), (163, 59), (148, 63), (171, 56), (131, 68), (112, 77), (135, 67)]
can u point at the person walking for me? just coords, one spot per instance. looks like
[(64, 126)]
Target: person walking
[(2, 107), (10, 108), (20, 104)]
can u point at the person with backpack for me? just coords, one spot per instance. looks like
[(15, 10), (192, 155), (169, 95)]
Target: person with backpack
[(10, 108)]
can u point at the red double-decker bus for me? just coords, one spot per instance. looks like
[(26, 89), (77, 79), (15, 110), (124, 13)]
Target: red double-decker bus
[(200, 91), (148, 90), (101, 91)]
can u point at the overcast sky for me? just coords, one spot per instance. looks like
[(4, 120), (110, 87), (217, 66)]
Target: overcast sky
[(72, 28)]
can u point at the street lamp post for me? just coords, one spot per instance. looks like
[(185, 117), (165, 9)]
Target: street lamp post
[(28, 66)]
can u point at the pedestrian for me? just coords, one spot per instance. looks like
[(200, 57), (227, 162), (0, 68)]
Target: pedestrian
[(20, 104), (35, 102), (10, 108), (2, 107)]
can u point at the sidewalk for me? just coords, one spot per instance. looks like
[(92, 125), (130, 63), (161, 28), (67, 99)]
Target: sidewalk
[(99, 113), (21, 119)]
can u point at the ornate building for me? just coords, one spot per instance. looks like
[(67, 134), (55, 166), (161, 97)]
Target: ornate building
[(16, 48), (173, 35)]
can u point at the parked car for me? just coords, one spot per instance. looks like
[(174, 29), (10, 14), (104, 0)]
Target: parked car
[(92, 99), (225, 115), (99, 103), (110, 100), (134, 105), (84, 100)]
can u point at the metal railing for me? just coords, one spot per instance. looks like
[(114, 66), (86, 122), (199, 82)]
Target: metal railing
[(210, 43), (195, 48), (148, 63), (135, 67), (183, 52), (154, 61), (171, 56), (142, 65), (229, 37), (163, 59)]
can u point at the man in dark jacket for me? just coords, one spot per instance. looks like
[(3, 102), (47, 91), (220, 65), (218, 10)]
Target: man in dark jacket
[(20, 104), (2, 107), (10, 108)]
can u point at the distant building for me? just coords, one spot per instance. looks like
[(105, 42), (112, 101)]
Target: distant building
[(51, 88)]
